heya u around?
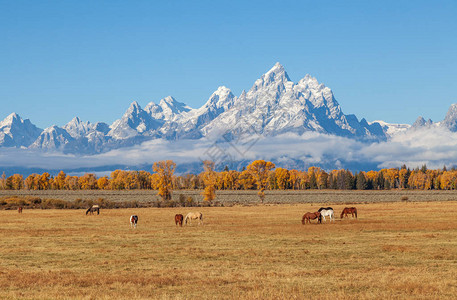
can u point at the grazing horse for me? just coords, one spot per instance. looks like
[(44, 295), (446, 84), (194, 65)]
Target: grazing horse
[(133, 221), (326, 211), (178, 219), (194, 216), (94, 208), (19, 209), (311, 216), (349, 210)]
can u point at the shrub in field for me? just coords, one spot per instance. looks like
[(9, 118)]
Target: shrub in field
[(404, 198), (182, 200), (34, 202), (190, 202)]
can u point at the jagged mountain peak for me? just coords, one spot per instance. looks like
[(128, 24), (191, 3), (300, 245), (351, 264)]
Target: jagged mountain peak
[(222, 90), (452, 111), (275, 78), (220, 97), (167, 109), (274, 105), (277, 68), (52, 128), (16, 132), (169, 100), (52, 138), (134, 122), (450, 121), (311, 82), (170, 103), (277, 72), (77, 128), (421, 122), (76, 121), (134, 108), (12, 117)]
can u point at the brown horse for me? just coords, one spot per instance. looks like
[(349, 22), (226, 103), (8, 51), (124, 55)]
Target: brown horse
[(311, 216), (19, 209), (349, 210), (178, 219)]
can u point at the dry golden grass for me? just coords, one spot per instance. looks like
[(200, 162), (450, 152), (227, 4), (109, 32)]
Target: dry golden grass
[(394, 250)]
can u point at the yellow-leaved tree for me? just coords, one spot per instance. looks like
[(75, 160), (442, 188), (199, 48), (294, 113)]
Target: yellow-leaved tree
[(282, 178), (209, 178), (259, 170), (164, 170)]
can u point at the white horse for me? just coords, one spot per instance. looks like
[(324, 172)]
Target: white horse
[(194, 216), (327, 211), (133, 221)]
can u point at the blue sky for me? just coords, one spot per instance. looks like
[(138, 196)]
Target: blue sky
[(389, 60)]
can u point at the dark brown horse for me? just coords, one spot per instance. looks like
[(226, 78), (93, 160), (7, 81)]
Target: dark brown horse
[(311, 216), (19, 209), (349, 210), (178, 219)]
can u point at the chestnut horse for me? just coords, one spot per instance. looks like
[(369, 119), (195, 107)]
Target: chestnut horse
[(178, 219), (349, 210), (311, 216), (19, 209)]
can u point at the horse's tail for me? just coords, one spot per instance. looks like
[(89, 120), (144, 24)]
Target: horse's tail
[(355, 211)]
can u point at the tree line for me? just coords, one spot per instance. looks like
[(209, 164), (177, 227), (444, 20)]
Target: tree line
[(259, 175)]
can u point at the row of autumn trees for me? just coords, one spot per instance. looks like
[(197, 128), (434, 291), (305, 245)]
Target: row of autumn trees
[(259, 175)]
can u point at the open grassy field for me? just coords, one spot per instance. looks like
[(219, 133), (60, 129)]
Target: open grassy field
[(394, 250)]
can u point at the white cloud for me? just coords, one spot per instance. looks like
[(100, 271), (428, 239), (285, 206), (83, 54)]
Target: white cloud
[(432, 146)]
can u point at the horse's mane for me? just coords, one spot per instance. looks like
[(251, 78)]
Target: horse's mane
[(324, 208)]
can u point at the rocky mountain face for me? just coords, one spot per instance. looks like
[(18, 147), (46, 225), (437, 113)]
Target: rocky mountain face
[(274, 105), (450, 121), (16, 132)]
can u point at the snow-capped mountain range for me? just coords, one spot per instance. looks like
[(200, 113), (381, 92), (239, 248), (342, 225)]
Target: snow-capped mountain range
[(273, 106)]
